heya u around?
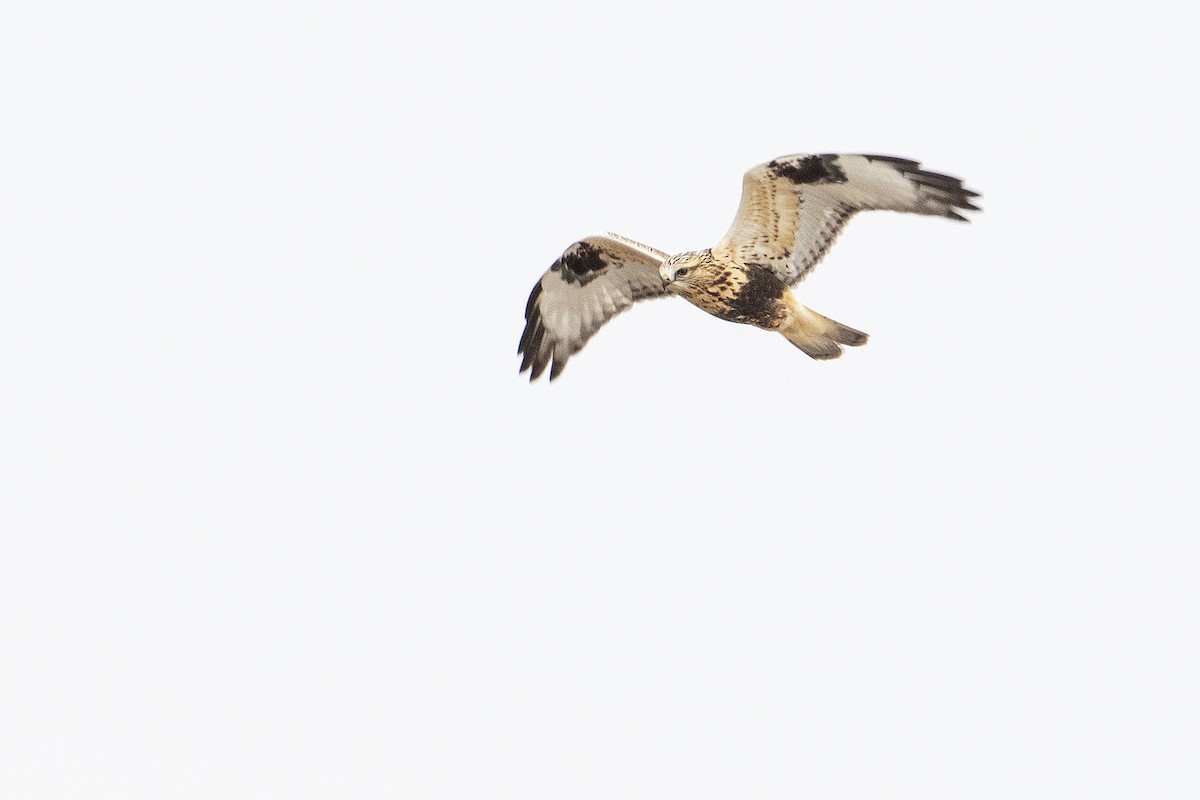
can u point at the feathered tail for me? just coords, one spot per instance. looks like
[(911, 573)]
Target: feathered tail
[(818, 335)]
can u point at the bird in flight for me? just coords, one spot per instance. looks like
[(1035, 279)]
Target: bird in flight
[(792, 210)]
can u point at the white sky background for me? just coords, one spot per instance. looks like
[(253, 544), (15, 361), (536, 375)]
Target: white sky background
[(280, 518)]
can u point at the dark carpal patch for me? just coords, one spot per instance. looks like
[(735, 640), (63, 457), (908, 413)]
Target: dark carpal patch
[(581, 263), (809, 169), (758, 301)]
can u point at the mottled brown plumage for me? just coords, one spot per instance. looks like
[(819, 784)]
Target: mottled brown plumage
[(792, 210), (754, 295)]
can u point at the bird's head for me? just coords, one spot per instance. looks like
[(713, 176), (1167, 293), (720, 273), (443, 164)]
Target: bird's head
[(684, 272)]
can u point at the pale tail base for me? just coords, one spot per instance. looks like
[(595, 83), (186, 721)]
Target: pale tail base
[(819, 336)]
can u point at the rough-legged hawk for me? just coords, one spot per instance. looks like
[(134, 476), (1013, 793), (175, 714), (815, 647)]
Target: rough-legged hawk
[(792, 210)]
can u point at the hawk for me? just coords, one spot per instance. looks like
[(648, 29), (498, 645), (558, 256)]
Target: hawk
[(792, 210)]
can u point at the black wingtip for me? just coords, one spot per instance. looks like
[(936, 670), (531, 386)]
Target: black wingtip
[(530, 346), (533, 296), (556, 367), (537, 367), (903, 163), (946, 190)]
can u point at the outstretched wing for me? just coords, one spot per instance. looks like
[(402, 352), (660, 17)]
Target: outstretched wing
[(591, 282), (794, 207)]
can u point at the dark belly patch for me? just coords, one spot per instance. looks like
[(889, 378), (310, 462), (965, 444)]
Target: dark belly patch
[(759, 301)]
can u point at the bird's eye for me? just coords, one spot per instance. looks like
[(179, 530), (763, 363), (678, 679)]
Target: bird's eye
[(679, 273)]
